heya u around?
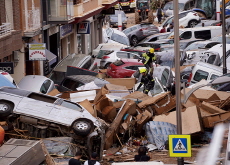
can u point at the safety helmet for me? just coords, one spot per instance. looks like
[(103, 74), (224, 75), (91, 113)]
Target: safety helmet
[(151, 50), (142, 69)]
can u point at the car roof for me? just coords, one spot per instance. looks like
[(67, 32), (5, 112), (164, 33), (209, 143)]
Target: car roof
[(70, 60), (32, 82), (210, 66), (15, 91), (5, 82), (199, 28)]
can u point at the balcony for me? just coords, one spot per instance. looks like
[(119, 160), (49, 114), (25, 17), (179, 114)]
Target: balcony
[(10, 40), (32, 22), (73, 12), (5, 29), (109, 3)]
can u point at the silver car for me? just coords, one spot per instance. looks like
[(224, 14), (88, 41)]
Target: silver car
[(36, 83), (46, 116), (113, 56), (77, 60)]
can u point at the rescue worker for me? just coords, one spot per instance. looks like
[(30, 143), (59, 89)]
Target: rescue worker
[(149, 58), (147, 80)]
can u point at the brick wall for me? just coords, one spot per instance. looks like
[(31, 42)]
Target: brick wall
[(16, 14), (2, 12)]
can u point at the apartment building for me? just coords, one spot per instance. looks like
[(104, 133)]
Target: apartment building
[(55, 28), (10, 36)]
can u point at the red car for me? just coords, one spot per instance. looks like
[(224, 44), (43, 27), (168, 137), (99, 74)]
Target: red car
[(123, 68)]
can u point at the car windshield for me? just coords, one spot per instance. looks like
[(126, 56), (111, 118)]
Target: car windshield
[(142, 4), (157, 89), (57, 77), (120, 39), (194, 46), (169, 6)]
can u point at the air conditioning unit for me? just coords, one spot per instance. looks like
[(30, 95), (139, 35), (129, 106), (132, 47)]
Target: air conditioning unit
[(16, 56), (21, 151)]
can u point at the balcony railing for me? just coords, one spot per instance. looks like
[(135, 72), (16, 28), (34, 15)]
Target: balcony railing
[(5, 29), (33, 18)]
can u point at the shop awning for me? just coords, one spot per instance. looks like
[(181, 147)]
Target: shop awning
[(52, 58)]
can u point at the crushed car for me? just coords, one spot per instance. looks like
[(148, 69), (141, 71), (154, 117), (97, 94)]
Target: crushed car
[(47, 116)]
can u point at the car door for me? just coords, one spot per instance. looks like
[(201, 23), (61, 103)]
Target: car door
[(36, 105)]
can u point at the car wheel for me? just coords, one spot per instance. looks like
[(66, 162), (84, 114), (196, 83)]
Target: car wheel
[(82, 127), (107, 65), (134, 40), (192, 23), (5, 108)]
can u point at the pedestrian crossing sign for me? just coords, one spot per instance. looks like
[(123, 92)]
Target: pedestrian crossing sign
[(180, 146)]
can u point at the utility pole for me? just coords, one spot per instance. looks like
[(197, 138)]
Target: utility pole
[(224, 37)]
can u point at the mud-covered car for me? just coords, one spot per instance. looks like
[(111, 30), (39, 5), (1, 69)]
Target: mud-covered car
[(47, 116)]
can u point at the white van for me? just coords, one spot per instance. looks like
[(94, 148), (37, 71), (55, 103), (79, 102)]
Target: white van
[(205, 33), (203, 70)]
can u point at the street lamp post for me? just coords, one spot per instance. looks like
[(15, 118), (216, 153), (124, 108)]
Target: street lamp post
[(180, 160)]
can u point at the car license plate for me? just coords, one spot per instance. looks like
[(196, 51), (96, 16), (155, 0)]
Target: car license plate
[(125, 4)]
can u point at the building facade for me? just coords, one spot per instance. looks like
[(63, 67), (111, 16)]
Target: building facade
[(63, 27)]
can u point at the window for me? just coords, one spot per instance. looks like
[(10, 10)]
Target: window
[(45, 86), (211, 59), (187, 6), (71, 105), (191, 4), (70, 84), (199, 75), (164, 77), (122, 55), (213, 76), (87, 64), (186, 35), (118, 63), (204, 34), (154, 39), (135, 67)]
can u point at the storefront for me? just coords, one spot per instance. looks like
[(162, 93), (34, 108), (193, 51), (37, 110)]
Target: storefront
[(67, 40)]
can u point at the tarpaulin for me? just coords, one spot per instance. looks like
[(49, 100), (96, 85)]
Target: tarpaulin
[(157, 132)]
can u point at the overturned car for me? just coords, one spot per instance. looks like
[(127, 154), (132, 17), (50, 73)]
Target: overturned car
[(47, 116)]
